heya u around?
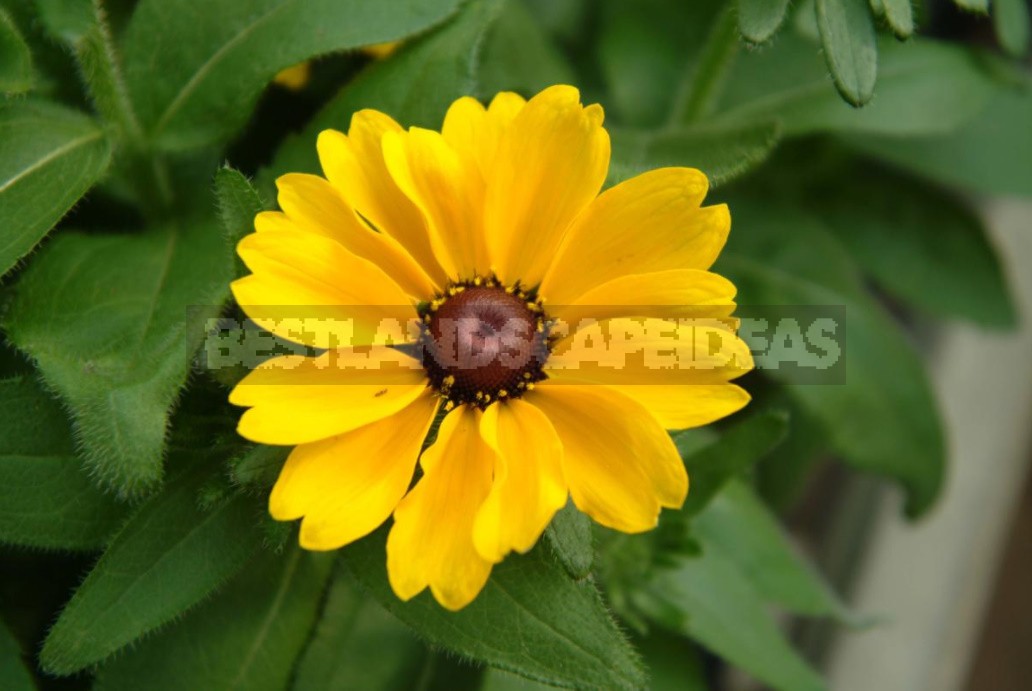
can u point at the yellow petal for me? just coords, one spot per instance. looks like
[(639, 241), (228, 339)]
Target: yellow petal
[(431, 542), (312, 203), (311, 290), (449, 191), (347, 485), (647, 350), (667, 294), (354, 164), (620, 464), (295, 399), (649, 223), (529, 486), (551, 162), (681, 406), (475, 132)]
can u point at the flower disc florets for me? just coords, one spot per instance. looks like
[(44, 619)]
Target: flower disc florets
[(483, 342)]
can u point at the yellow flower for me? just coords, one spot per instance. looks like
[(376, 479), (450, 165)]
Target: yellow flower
[(294, 78), (494, 222)]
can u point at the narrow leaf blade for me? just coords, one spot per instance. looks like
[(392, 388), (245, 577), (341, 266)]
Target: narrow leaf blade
[(848, 38), (759, 20), (15, 59)]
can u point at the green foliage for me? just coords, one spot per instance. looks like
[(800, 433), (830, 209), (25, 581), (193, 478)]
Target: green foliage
[(215, 57), (49, 157), (723, 152), (759, 20), (1012, 21), (15, 59), (569, 535), (708, 599), (712, 465), (108, 320), (239, 202), (14, 676), (357, 644), (900, 16), (847, 36), (171, 554), (46, 500), (742, 530), (246, 637), (531, 618), (884, 385)]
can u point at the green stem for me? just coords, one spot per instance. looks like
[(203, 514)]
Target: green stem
[(701, 86), (105, 82)]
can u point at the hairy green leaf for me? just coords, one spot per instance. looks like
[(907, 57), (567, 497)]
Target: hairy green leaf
[(920, 244), (881, 416), (570, 537), (847, 35), (900, 16), (739, 527), (170, 555), (531, 619), (238, 202), (737, 448), (246, 638), (111, 321), (415, 86), (15, 59), (707, 599), (722, 152), (759, 20), (49, 157), (216, 56), (46, 500), (1011, 19), (14, 675), (359, 645), (674, 662), (924, 87), (259, 465), (991, 154)]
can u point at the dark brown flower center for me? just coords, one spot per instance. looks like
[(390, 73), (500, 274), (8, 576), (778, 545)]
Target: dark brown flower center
[(483, 342)]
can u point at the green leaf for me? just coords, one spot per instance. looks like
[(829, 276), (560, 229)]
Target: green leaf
[(531, 619), (992, 154), (14, 675), (519, 56), (259, 465), (169, 556), (216, 56), (49, 157), (924, 87), (415, 86), (707, 599), (737, 448), (979, 6), (570, 537), (674, 663), (920, 244), (742, 530), (46, 500), (881, 416), (1011, 19), (15, 59), (66, 21), (359, 645), (759, 20), (644, 51), (111, 321), (722, 152), (239, 202), (246, 638), (900, 16), (847, 35)]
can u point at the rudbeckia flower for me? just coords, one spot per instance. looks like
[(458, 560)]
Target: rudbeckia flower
[(547, 325)]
